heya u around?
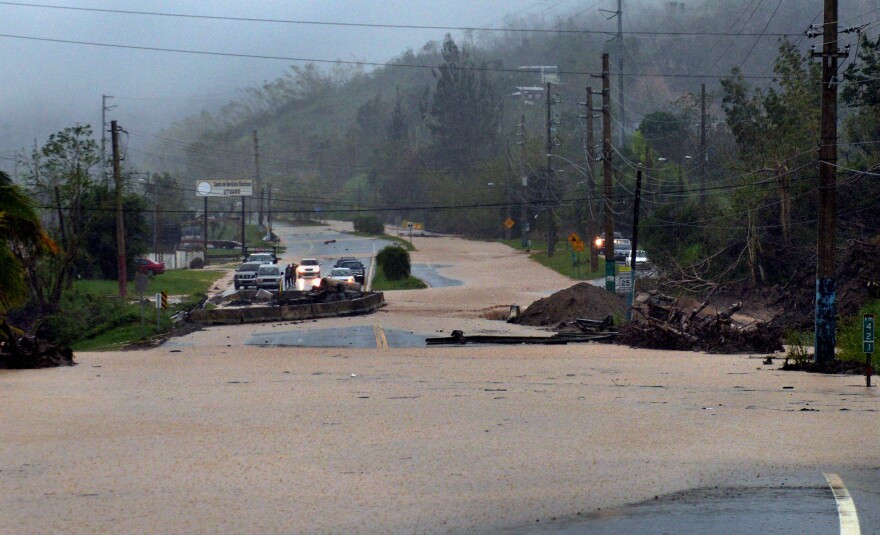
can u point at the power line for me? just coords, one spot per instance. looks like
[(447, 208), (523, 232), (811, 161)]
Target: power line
[(340, 61), (373, 25)]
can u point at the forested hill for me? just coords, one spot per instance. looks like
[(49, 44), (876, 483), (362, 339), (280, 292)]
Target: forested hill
[(439, 125)]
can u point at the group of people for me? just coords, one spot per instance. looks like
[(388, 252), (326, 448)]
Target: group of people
[(289, 275)]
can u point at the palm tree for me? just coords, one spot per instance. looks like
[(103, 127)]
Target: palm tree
[(19, 228)]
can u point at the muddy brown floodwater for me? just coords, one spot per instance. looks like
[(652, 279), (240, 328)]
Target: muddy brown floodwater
[(204, 434)]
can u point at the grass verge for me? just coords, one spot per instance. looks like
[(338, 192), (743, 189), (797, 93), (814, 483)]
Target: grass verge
[(561, 262), (382, 284), (175, 282), (93, 318)]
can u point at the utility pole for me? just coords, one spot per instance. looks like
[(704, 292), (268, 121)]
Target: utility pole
[(825, 328), (243, 240), (205, 235), (120, 216), (703, 155), (262, 195), (635, 245), (104, 109), (257, 172), (621, 109), (610, 283), (548, 206), (523, 205), (589, 224), (269, 211)]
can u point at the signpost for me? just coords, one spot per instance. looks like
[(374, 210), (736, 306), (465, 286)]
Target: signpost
[(868, 344), (161, 304), (141, 283), (624, 280), (509, 223), (225, 188)]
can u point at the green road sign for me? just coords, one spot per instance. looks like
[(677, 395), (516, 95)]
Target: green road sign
[(868, 333)]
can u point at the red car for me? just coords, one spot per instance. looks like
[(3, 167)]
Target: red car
[(148, 267)]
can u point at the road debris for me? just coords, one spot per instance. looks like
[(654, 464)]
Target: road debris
[(664, 322), (458, 338)]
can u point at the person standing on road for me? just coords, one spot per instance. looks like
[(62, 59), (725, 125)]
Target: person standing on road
[(288, 276)]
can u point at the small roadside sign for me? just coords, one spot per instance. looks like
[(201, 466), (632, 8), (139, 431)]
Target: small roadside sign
[(573, 238), (868, 333), (624, 282), (508, 223)]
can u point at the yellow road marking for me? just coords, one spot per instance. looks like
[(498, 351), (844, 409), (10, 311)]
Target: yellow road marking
[(381, 339), (846, 508)]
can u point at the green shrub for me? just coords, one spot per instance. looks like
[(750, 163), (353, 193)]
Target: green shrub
[(394, 261), (197, 263), (369, 224), (84, 314), (849, 333)]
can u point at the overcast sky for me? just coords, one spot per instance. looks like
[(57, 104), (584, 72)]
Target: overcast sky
[(49, 86)]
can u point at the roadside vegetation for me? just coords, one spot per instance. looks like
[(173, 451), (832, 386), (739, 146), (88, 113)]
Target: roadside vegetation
[(372, 226), (92, 317), (394, 271), (382, 284), (561, 262)]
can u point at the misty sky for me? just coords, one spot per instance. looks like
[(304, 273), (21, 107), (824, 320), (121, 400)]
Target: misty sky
[(49, 86)]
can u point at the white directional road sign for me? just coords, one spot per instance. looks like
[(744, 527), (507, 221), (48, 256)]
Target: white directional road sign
[(243, 187)]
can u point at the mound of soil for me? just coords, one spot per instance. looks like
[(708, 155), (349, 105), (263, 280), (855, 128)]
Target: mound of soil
[(794, 306), (583, 300)]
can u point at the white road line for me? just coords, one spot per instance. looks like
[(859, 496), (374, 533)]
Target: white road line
[(846, 508)]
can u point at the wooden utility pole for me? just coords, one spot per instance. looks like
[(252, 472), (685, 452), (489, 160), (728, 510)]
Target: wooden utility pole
[(523, 205), (825, 328), (257, 173), (648, 168), (243, 235), (548, 206), (635, 245), (205, 235), (621, 109), (262, 195), (593, 220), (610, 283), (120, 215), (269, 211), (703, 155)]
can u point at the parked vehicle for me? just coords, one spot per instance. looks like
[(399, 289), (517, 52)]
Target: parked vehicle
[(342, 274), (642, 261), (148, 267), (246, 275), (356, 268), (269, 277), (309, 268), (342, 260), (261, 258)]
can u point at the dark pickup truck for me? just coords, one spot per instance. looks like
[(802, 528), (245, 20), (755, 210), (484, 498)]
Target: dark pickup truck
[(360, 273)]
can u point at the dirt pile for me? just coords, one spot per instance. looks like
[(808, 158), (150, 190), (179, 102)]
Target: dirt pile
[(583, 300), (793, 306)]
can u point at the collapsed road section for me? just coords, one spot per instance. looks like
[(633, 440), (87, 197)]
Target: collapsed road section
[(257, 306)]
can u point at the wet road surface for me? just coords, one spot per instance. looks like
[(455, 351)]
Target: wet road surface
[(359, 336), (429, 275)]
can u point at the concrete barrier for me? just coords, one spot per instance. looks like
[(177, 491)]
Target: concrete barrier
[(260, 314), (216, 316), (228, 316)]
